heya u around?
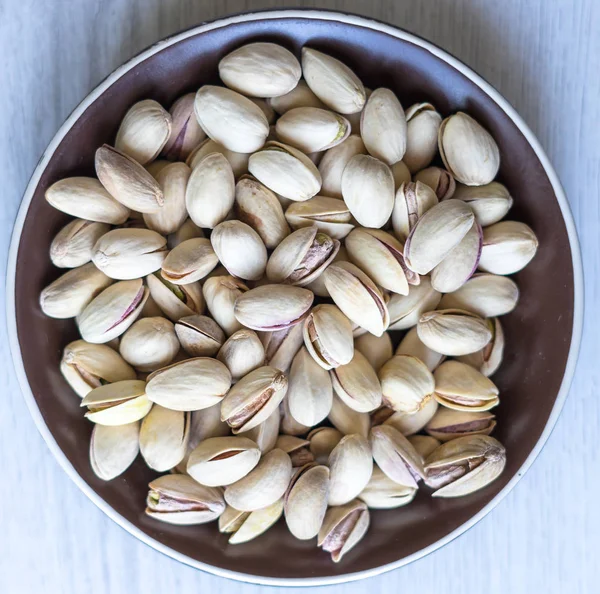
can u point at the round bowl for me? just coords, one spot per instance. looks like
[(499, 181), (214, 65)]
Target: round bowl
[(542, 334)]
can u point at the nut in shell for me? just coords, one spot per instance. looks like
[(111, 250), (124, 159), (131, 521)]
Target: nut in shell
[(490, 202), (189, 262), (449, 424), (411, 202), (330, 215), (176, 301), (488, 359), (350, 468), (334, 162), (119, 403), (221, 293), (73, 244), (200, 336), (113, 449), (186, 133), (382, 492), (423, 123), (405, 310), (411, 344), (281, 346), (508, 246), (357, 384), (439, 180), (242, 352)]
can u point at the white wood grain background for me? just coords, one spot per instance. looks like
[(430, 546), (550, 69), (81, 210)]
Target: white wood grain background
[(544, 56)]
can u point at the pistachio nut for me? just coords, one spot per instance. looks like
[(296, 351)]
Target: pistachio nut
[(232, 519), (436, 234), (453, 332), (260, 70), (210, 191), (86, 366), (256, 523), (377, 350), (149, 344), (176, 301), (266, 434), (465, 465), (281, 346), (221, 293), (258, 207), (461, 387), (380, 415), (343, 527), (460, 264), (144, 131), (253, 398), (424, 444), (164, 437), (411, 344), (178, 499), (350, 468), (119, 403), (125, 254), (368, 190), (297, 449), (273, 307), (188, 230), (317, 286), (240, 249), (322, 440), (86, 198), (439, 180), (401, 174), (113, 311), (265, 484), (127, 181), (356, 383), (173, 179), (305, 502), (357, 296), (487, 295), (488, 359), (242, 352), (508, 246), (309, 392), (286, 171), (383, 126), (382, 492), (468, 151), (396, 456), (406, 383), (113, 449), (490, 202), (231, 119), (347, 420), (189, 262), (379, 255), (73, 244), (301, 257), (289, 425), (328, 336), (222, 461), (186, 133), (192, 384), (71, 293), (449, 424), (332, 82), (423, 123), (237, 161), (330, 215), (299, 96), (405, 310), (411, 423), (311, 129), (412, 201), (334, 162)]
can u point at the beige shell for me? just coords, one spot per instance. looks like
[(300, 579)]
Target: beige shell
[(356, 383), (330, 215), (449, 424), (322, 440), (405, 310), (424, 444), (176, 301), (350, 468), (188, 230), (73, 245), (281, 346), (266, 434), (508, 246), (289, 425), (411, 344), (189, 262), (186, 133), (488, 359), (347, 420), (119, 403), (490, 202), (221, 293), (423, 123), (343, 527), (401, 174), (242, 352), (439, 180), (376, 349), (237, 161), (382, 492), (411, 423), (299, 96), (334, 162), (257, 522), (113, 449), (412, 201)]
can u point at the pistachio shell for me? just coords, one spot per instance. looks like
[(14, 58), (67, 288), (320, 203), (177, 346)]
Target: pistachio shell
[(178, 499), (383, 126), (188, 230), (176, 301), (350, 467), (368, 190), (508, 247), (149, 344), (453, 332), (488, 359), (257, 522), (221, 293), (334, 162), (192, 384), (189, 262), (423, 123), (411, 344), (468, 150), (347, 420), (265, 484), (322, 442), (260, 70), (376, 349), (449, 424), (281, 346), (113, 449), (410, 423), (273, 307), (439, 180), (237, 161), (424, 444), (186, 133), (382, 492), (401, 174), (342, 528), (286, 171), (405, 310), (332, 82), (356, 383), (230, 119), (73, 244), (412, 201), (289, 425), (299, 96), (490, 202), (232, 519), (242, 352), (86, 198), (119, 403), (72, 292), (266, 434), (210, 191), (330, 215)]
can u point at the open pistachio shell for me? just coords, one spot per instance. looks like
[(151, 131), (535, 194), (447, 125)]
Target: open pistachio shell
[(281, 346), (334, 162), (488, 359), (189, 262), (73, 244), (330, 215), (411, 423), (322, 440), (508, 246), (200, 336), (449, 424), (257, 522), (186, 133), (176, 301), (382, 492), (356, 383), (343, 527), (490, 202), (266, 434), (221, 293), (119, 403), (422, 122), (405, 310), (439, 180), (296, 448), (412, 201)]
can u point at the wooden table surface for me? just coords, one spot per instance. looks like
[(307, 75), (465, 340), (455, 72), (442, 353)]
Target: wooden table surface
[(544, 57)]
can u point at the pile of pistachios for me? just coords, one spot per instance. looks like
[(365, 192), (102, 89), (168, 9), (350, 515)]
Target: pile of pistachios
[(235, 270)]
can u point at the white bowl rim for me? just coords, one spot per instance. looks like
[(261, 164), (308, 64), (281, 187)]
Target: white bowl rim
[(350, 20)]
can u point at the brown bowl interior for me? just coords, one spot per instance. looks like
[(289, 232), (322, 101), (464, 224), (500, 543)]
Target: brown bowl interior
[(538, 333)]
